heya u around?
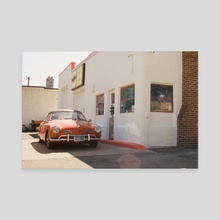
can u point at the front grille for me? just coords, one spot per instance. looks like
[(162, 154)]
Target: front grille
[(88, 131), (64, 137)]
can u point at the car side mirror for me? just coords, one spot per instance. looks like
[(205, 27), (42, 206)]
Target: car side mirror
[(90, 120)]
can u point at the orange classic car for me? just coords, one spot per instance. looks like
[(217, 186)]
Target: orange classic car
[(68, 126)]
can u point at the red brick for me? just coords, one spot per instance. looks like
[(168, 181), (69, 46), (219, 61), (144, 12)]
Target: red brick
[(187, 123)]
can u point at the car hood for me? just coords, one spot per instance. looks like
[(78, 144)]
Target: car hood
[(70, 124)]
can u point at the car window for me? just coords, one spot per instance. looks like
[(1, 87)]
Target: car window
[(81, 116), (75, 116), (78, 116), (61, 115), (48, 117), (54, 117), (67, 115)]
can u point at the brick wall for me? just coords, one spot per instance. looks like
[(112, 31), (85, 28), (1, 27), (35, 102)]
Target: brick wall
[(187, 123)]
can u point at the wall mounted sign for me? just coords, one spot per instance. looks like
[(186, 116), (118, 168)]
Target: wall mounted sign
[(78, 78)]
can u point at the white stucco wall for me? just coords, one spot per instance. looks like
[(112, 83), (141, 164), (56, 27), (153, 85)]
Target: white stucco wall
[(65, 95), (109, 71), (37, 102)]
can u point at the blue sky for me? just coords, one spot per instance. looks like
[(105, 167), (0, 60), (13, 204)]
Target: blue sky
[(39, 65)]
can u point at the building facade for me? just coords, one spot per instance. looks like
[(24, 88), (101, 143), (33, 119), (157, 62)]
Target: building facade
[(133, 96), (37, 101)]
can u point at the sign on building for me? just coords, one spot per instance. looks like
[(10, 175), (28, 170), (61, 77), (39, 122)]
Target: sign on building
[(78, 77)]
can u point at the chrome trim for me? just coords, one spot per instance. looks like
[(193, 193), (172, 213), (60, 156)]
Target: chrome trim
[(70, 138)]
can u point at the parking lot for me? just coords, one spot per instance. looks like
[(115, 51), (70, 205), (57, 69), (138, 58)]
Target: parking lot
[(80, 156)]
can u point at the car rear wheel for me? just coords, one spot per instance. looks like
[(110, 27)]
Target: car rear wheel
[(93, 144), (48, 142)]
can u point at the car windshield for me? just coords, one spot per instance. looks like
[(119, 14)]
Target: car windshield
[(75, 115)]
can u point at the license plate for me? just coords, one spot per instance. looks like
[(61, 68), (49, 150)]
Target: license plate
[(79, 138)]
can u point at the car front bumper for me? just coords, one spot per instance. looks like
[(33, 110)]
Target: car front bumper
[(74, 138)]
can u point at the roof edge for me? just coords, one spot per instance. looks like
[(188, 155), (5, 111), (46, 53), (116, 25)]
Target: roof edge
[(65, 68), (85, 60), (42, 87)]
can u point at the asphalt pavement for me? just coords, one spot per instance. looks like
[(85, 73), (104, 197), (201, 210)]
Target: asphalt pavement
[(160, 158), (105, 156)]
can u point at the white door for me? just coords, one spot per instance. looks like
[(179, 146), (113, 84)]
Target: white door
[(111, 114), (79, 100)]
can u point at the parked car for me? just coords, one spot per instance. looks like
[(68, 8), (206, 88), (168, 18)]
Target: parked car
[(68, 126)]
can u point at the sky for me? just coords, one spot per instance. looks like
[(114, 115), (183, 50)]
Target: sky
[(39, 65)]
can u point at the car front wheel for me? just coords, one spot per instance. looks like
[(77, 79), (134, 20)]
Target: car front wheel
[(93, 144), (40, 140), (48, 142)]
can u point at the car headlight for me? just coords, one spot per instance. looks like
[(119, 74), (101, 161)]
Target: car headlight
[(56, 129), (98, 129)]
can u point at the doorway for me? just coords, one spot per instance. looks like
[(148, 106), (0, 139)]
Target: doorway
[(111, 114), (79, 100)]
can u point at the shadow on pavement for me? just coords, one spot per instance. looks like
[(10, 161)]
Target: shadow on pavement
[(160, 158), (34, 135), (94, 157), (59, 148), (101, 157)]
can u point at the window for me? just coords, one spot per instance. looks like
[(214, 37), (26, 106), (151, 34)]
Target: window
[(100, 104), (78, 116), (161, 98), (127, 99), (48, 116)]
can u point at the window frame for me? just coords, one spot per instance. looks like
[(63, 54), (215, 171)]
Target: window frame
[(98, 105), (162, 100), (127, 99)]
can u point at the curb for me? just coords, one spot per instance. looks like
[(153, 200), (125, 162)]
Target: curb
[(124, 144)]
